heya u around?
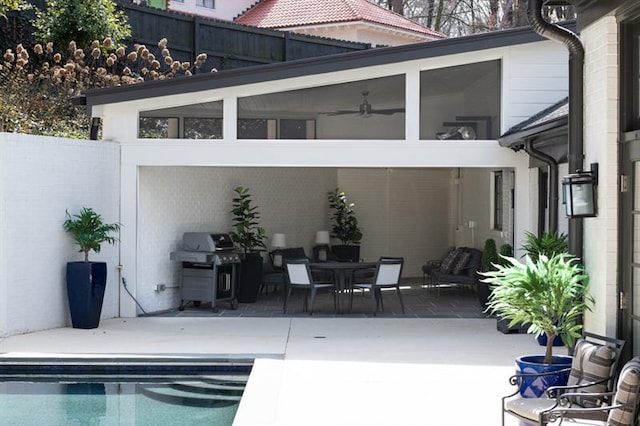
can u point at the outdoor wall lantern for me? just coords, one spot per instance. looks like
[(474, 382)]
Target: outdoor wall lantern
[(579, 193)]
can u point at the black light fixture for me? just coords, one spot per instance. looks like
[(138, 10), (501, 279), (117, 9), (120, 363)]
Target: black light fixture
[(579, 193)]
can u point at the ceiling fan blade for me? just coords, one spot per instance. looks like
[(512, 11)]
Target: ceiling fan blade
[(389, 111), (342, 112)]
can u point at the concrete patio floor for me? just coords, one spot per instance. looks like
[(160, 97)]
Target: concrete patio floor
[(327, 371)]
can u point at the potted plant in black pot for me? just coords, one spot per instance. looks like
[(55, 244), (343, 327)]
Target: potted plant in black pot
[(488, 259), (86, 281), (344, 227), (550, 296), (249, 237)]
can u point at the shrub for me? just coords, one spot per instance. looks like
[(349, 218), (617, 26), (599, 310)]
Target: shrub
[(39, 83), (64, 21)]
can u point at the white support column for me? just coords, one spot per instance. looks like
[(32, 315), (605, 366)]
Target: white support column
[(230, 118), (412, 107), (522, 208), (128, 235)]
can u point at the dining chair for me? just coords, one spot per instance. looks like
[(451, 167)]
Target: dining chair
[(387, 275), (299, 276)]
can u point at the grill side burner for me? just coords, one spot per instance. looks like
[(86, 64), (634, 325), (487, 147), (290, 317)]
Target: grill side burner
[(209, 269)]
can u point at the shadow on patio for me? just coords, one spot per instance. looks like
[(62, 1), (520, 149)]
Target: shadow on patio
[(449, 302)]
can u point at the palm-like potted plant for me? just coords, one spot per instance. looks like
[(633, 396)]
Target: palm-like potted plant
[(249, 236), (549, 295), (86, 281), (344, 226)]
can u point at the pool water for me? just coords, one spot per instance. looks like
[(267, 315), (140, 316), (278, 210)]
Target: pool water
[(64, 395)]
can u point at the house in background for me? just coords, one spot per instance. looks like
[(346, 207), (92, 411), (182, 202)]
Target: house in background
[(226, 10), (353, 20)]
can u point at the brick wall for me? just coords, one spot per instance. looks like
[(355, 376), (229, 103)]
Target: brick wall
[(41, 177), (601, 133)]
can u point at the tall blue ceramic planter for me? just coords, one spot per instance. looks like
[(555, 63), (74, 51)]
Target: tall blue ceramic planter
[(534, 387), (86, 282)]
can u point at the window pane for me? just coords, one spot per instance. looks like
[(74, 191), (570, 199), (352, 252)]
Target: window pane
[(293, 129), (461, 102), (365, 109), (206, 3), (153, 128), (203, 128), (252, 128), (497, 201), (199, 121)]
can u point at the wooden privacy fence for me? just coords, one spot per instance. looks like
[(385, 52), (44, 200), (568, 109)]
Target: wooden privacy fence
[(226, 44)]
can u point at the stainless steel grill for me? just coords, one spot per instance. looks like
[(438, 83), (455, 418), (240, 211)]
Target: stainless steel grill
[(209, 269)]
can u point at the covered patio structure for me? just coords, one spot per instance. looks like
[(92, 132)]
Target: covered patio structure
[(408, 132)]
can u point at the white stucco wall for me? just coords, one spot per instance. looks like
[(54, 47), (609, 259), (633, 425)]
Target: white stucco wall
[(224, 9), (601, 133), (40, 178)]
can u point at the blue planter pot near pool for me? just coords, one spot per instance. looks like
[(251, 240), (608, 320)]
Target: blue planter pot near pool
[(534, 387)]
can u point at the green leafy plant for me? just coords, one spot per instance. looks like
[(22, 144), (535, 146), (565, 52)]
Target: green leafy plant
[(8, 5), (506, 250), (248, 234), (489, 255), (89, 230), (64, 21), (549, 294), (549, 243), (344, 222)]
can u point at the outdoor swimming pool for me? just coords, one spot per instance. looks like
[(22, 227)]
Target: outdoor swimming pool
[(117, 391)]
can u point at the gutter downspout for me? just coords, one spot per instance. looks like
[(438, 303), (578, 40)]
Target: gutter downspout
[(553, 182), (576, 104)]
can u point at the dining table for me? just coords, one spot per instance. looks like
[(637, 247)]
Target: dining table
[(343, 273)]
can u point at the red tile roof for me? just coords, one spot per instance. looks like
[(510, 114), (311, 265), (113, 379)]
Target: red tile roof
[(294, 13)]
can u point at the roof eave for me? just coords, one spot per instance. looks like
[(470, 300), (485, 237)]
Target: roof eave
[(517, 139), (312, 66)]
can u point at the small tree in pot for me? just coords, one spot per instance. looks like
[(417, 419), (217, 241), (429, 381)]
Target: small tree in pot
[(488, 259), (86, 281), (249, 237), (549, 295), (344, 226)]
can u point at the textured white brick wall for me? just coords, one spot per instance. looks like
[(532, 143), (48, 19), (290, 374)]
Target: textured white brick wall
[(601, 133), (174, 200), (402, 212), (40, 177)]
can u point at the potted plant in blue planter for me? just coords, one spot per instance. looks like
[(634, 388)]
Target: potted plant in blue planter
[(86, 281), (344, 227), (249, 236), (550, 296)]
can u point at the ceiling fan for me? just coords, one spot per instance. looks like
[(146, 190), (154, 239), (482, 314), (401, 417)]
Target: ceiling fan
[(366, 109)]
